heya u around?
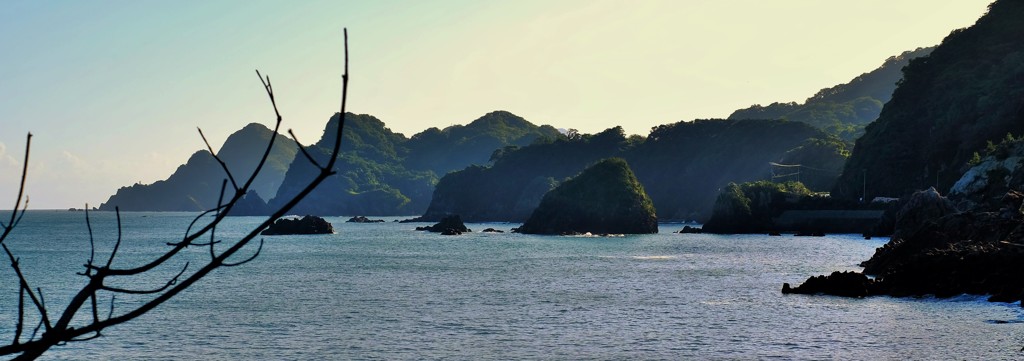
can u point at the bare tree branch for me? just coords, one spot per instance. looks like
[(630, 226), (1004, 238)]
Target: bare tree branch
[(217, 158), (213, 231), (64, 330), (303, 150), (24, 284), (21, 314), (169, 283), (225, 264), (117, 244)]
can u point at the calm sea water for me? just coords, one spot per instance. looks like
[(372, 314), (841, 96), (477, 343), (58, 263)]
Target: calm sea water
[(384, 291)]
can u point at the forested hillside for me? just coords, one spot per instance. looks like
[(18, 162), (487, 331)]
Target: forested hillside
[(845, 109), (383, 173), (455, 147), (680, 165), (968, 92)]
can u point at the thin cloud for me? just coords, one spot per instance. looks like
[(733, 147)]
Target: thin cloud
[(7, 160)]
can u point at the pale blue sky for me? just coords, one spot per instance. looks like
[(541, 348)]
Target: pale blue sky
[(113, 90)]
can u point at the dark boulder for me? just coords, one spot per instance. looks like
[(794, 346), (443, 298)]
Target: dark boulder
[(688, 229), (492, 230), (449, 226), (605, 198), (921, 208), (845, 284), (305, 225), (363, 219)]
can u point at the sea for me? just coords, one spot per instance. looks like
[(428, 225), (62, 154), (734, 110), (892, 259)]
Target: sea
[(383, 291)]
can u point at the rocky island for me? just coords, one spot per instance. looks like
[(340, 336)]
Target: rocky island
[(448, 226), (605, 198), (363, 219), (305, 225)]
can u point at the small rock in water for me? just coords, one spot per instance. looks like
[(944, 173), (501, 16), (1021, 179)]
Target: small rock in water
[(449, 226), (363, 219), (305, 225)]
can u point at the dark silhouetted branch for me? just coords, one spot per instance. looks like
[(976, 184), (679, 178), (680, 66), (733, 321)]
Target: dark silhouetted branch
[(303, 150), (117, 244), (225, 264), (217, 158), (69, 328), (169, 283)]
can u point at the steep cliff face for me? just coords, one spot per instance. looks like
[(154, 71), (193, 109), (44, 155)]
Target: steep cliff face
[(605, 198), (967, 92), (984, 184)]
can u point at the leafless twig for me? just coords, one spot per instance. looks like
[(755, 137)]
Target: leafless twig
[(64, 330)]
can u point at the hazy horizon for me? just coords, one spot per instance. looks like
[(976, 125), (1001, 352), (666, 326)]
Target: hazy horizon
[(113, 92)]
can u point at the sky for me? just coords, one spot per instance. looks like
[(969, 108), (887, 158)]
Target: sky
[(113, 91)]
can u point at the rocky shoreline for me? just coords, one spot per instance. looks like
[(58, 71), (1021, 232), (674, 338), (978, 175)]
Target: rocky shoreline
[(937, 250)]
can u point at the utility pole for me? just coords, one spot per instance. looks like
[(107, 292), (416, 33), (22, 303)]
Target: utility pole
[(864, 187)]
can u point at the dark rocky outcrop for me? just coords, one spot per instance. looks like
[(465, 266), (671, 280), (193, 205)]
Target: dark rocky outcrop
[(977, 251), (605, 198), (985, 184), (492, 230), (919, 209), (688, 229), (938, 252), (846, 284), (363, 219), (306, 225), (449, 226)]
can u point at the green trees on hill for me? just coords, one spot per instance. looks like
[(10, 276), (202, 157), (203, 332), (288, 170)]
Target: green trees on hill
[(843, 110), (383, 173), (380, 172), (681, 167), (452, 148), (820, 162), (604, 198), (949, 105), (370, 179), (519, 178), (749, 207)]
